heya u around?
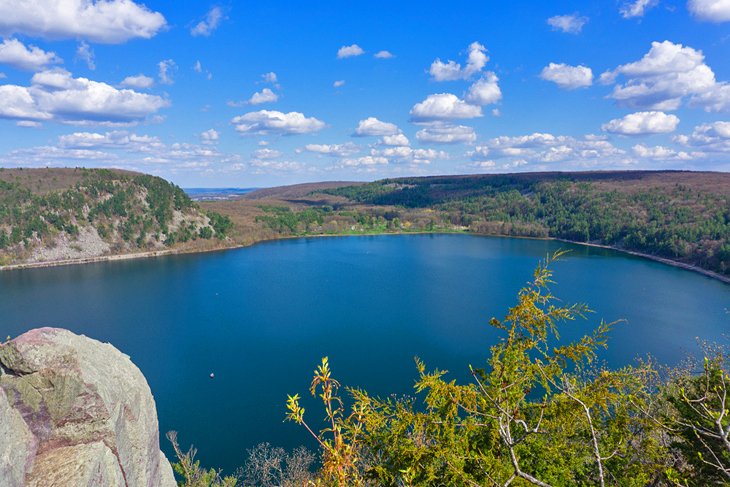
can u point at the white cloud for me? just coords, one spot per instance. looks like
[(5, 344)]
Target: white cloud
[(263, 96), (349, 51), (269, 77), (711, 137), (383, 55), (485, 91), (395, 140), (211, 22), (545, 148), (115, 139), (710, 10), (106, 21), (570, 24), (56, 95), (337, 150), (86, 54), (32, 58), (166, 70), (659, 152), (366, 161), (568, 77), (339, 83), (210, 136), (408, 155), (451, 70), (139, 81), (28, 124), (637, 8), (642, 123), (447, 134), (270, 122), (665, 76), (198, 67), (266, 154), (443, 106), (371, 126)]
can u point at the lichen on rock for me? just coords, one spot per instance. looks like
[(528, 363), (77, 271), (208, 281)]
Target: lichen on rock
[(76, 412)]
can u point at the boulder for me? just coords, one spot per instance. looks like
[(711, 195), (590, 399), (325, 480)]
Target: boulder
[(76, 412)]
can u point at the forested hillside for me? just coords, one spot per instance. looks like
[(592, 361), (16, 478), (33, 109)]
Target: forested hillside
[(60, 214), (677, 215)]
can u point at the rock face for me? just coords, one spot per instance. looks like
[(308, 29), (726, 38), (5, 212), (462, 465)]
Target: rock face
[(76, 412)]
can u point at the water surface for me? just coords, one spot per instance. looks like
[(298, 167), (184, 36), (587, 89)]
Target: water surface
[(261, 318)]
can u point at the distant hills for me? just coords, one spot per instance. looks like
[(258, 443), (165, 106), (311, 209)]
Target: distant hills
[(682, 216), (50, 215)]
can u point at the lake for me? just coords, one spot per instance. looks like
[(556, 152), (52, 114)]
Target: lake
[(260, 319)]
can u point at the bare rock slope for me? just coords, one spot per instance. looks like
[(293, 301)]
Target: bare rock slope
[(76, 412)]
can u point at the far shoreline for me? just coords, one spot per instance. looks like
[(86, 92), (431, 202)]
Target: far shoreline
[(163, 253)]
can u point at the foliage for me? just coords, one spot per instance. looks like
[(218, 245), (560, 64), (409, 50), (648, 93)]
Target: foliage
[(672, 221), (267, 466), (129, 211), (191, 472), (542, 411)]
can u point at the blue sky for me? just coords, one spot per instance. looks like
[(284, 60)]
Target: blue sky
[(268, 93)]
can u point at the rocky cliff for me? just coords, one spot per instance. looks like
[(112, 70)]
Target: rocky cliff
[(76, 412)]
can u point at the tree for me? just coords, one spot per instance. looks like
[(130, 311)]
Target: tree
[(540, 413)]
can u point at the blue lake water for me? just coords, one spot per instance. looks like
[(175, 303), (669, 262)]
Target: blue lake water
[(261, 318)]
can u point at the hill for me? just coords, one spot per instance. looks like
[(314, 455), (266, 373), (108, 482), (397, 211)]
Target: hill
[(51, 215), (677, 215), (683, 216)]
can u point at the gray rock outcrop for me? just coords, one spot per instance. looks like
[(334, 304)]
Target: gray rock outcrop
[(76, 412)]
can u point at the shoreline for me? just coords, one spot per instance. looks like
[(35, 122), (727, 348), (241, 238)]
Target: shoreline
[(163, 253)]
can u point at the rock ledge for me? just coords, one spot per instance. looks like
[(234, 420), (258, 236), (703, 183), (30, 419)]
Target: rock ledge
[(76, 412)]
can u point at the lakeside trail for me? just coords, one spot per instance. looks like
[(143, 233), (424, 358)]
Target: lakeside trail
[(237, 245)]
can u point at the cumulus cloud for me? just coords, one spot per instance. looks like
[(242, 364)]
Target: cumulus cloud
[(139, 81), (395, 140), (709, 137), (447, 134), (373, 127), (263, 96), (407, 155), (570, 24), (209, 136), (124, 149), (710, 10), (485, 91), (335, 150), (211, 22), (642, 123), (659, 152), (383, 55), (86, 54), (31, 58), (568, 77), (166, 70), (105, 21), (443, 106), (545, 148), (451, 70), (668, 74), (56, 95), (269, 77), (266, 154), (350, 51), (271, 122), (339, 83), (637, 8), (114, 139)]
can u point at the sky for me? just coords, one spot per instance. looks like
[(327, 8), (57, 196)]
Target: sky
[(254, 94)]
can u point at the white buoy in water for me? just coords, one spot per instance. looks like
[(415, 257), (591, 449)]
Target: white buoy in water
[(212, 375)]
